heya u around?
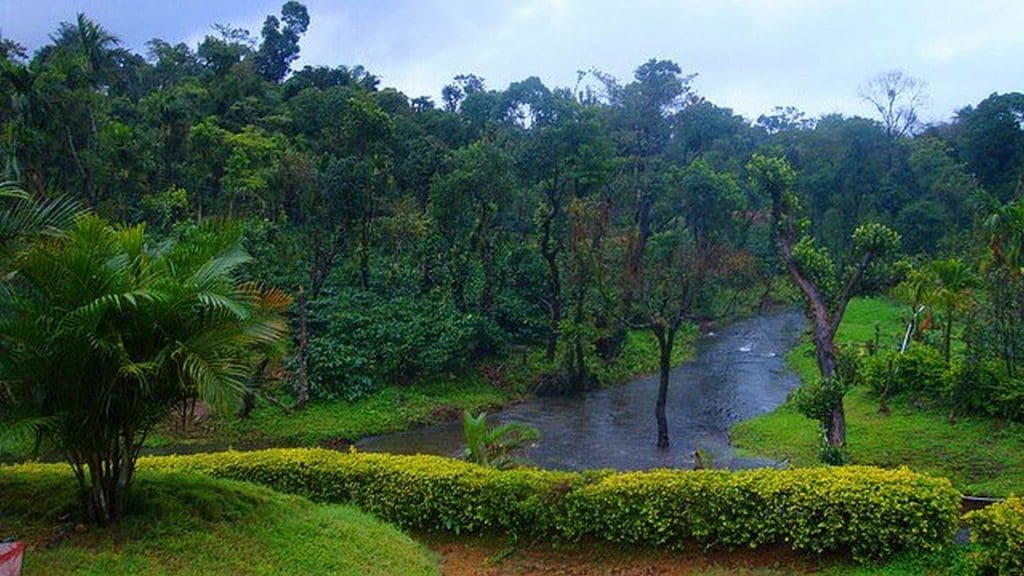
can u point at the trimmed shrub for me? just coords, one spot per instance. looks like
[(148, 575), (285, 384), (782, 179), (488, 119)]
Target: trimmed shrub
[(998, 534), (869, 512), (419, 492), (866, 512)]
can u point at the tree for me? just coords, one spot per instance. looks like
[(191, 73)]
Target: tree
[(953, 281), (898, 99), (104, 331), (826, 291), (1004, 274), (674, 288), (991, 140), (280, 45), (466, 206), (659, 89)]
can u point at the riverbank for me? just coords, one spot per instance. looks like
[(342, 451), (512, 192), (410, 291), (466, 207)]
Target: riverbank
[(489, 386), (982, 456)]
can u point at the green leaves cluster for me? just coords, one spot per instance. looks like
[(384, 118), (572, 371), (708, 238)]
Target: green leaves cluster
[(364, 342)]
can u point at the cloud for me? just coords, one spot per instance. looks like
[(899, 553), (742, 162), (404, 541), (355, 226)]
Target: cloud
[(751, 54)]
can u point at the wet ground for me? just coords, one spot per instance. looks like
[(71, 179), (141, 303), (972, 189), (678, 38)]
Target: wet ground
[(736, 374)]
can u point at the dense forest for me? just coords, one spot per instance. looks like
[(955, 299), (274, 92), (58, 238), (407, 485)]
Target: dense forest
[(415, 237)]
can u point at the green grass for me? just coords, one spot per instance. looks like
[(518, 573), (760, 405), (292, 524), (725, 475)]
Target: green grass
[(397, 408), (193, 525), (389, 410), (982, 456)]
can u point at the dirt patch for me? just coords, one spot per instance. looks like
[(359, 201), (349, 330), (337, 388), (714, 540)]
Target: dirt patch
[(443, 413), (491, 556)]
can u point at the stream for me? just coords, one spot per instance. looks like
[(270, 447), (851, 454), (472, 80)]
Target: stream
[(736, 374)]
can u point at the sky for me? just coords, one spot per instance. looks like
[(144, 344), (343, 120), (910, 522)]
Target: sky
[(750, 55)]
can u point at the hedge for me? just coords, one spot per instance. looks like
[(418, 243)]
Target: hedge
[(998, 535), (867, 512)]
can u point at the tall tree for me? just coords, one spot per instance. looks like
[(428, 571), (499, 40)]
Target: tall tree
[(280, 46), (897, 98), (674, 287), (825, 290)]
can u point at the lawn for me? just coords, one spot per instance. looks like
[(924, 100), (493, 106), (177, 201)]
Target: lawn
[(194, 525), (982, 456)]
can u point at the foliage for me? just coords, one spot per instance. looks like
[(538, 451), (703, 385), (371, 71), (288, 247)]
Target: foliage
[(863, 511), (364, 342), (196, 525), (104, 332), (998, 534), (495, 446), (801, 508), (920, 371)]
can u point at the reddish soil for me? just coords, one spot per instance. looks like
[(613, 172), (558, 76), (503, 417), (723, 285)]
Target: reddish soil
[(493, 557)]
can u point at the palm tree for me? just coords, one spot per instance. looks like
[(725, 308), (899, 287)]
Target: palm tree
[(952, 291), (24, 218), (104, 330)]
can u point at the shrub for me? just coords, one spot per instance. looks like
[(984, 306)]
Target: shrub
[(421, 492), (920, 370), (998, 533), (867, 512), (104, 329), (363, 342)]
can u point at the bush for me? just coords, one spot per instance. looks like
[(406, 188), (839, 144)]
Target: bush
[(867, 512), (416, 492), (921, 370), (363, 342), (998, 534)]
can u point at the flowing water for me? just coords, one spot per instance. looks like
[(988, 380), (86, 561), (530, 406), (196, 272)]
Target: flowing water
[(736, 374)]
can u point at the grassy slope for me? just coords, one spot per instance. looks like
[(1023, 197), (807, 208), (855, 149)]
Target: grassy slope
[(401, 407), (980, 455), (194, 525)]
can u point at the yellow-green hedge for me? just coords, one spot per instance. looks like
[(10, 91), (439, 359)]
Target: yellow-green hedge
[(867, 512), (998, 535)]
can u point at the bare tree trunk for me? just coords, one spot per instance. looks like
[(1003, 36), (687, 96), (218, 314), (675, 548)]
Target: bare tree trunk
[(302, 390), (665, 344), (554, 291)]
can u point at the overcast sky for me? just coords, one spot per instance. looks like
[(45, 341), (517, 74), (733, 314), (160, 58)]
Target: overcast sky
[(751, 55)]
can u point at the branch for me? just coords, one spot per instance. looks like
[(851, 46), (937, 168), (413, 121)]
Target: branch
[(808, 288), (847, 292)]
